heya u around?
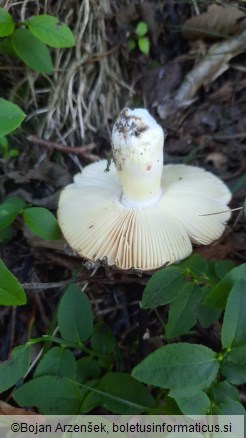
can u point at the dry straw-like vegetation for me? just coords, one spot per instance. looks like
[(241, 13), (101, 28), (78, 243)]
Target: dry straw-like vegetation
[(88, 87)]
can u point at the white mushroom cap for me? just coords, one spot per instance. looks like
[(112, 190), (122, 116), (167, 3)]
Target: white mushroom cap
[(144, 228)]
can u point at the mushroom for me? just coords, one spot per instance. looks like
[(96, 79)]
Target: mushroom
[(140, 214)]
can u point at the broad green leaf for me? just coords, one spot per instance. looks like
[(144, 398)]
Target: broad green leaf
[(90, 398), (50, 31), (75, 318), (57, 362), (234, 323), (6, 23), (237, 355), (6, 233), (180, 365), (11, 292), (11, 116), (141, 29), (32, 51), (195, 265), (163, 287), (9, 210), (229, 407), (143, 44), (223, 267), (128, 392), (182, 311), (219, 294), (87, 368), (224, 391), (207, 315), (15, 368), (42, 223), (102, 339), (6, 47), (235, 373), (52, 395), (226, 400), (197, 404)]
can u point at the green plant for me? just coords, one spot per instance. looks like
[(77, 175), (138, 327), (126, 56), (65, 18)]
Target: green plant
[(65, 383), (199, 379), (5, 151), (139, 38), (41, 222), (83, 368), (28, 40)]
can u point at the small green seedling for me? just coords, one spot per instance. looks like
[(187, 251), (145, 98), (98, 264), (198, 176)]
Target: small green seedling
[(140, 39)]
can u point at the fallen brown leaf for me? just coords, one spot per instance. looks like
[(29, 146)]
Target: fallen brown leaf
[(203, 74), (217, 22), (7, 409)]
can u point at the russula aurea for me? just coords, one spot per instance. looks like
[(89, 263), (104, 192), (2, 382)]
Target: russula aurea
[(140, 214)]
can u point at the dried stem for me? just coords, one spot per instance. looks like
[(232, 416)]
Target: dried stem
[(82, 152)]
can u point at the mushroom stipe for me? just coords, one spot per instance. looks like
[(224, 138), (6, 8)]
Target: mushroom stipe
[(140, 214)]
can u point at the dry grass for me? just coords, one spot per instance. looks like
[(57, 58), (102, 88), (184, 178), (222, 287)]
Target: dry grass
[(87, 89)]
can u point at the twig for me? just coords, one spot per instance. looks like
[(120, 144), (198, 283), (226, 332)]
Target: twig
[(66, 149), (44, 286)]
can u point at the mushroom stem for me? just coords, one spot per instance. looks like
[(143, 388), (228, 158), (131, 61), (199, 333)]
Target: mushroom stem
[(137, 143)]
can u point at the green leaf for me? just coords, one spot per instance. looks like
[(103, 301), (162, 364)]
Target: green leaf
[(57, 362), (102, 339), (223, 391), (234, 323), (237, 355), (52, 395), (11, 292), (6, 233), (9, 210), (195, 265), (180, 365), (75, 318), (223, 267), (163, 287), (32, 51), (12, 370), (6, 23), (11, 116), (143, 44), (42, 223), (226, 399), (229, 407), (50, 31), (207, 315), (244, 206), (235, 373), (131, 44), (87, 368), (91, 399), (13, 153), (219, 294), (4, 143), (182, 311), (141, 29), (7, 48), (197, 404), (129, 392)]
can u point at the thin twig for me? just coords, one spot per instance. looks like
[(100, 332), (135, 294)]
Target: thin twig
[(66, 149), (220, 212)]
